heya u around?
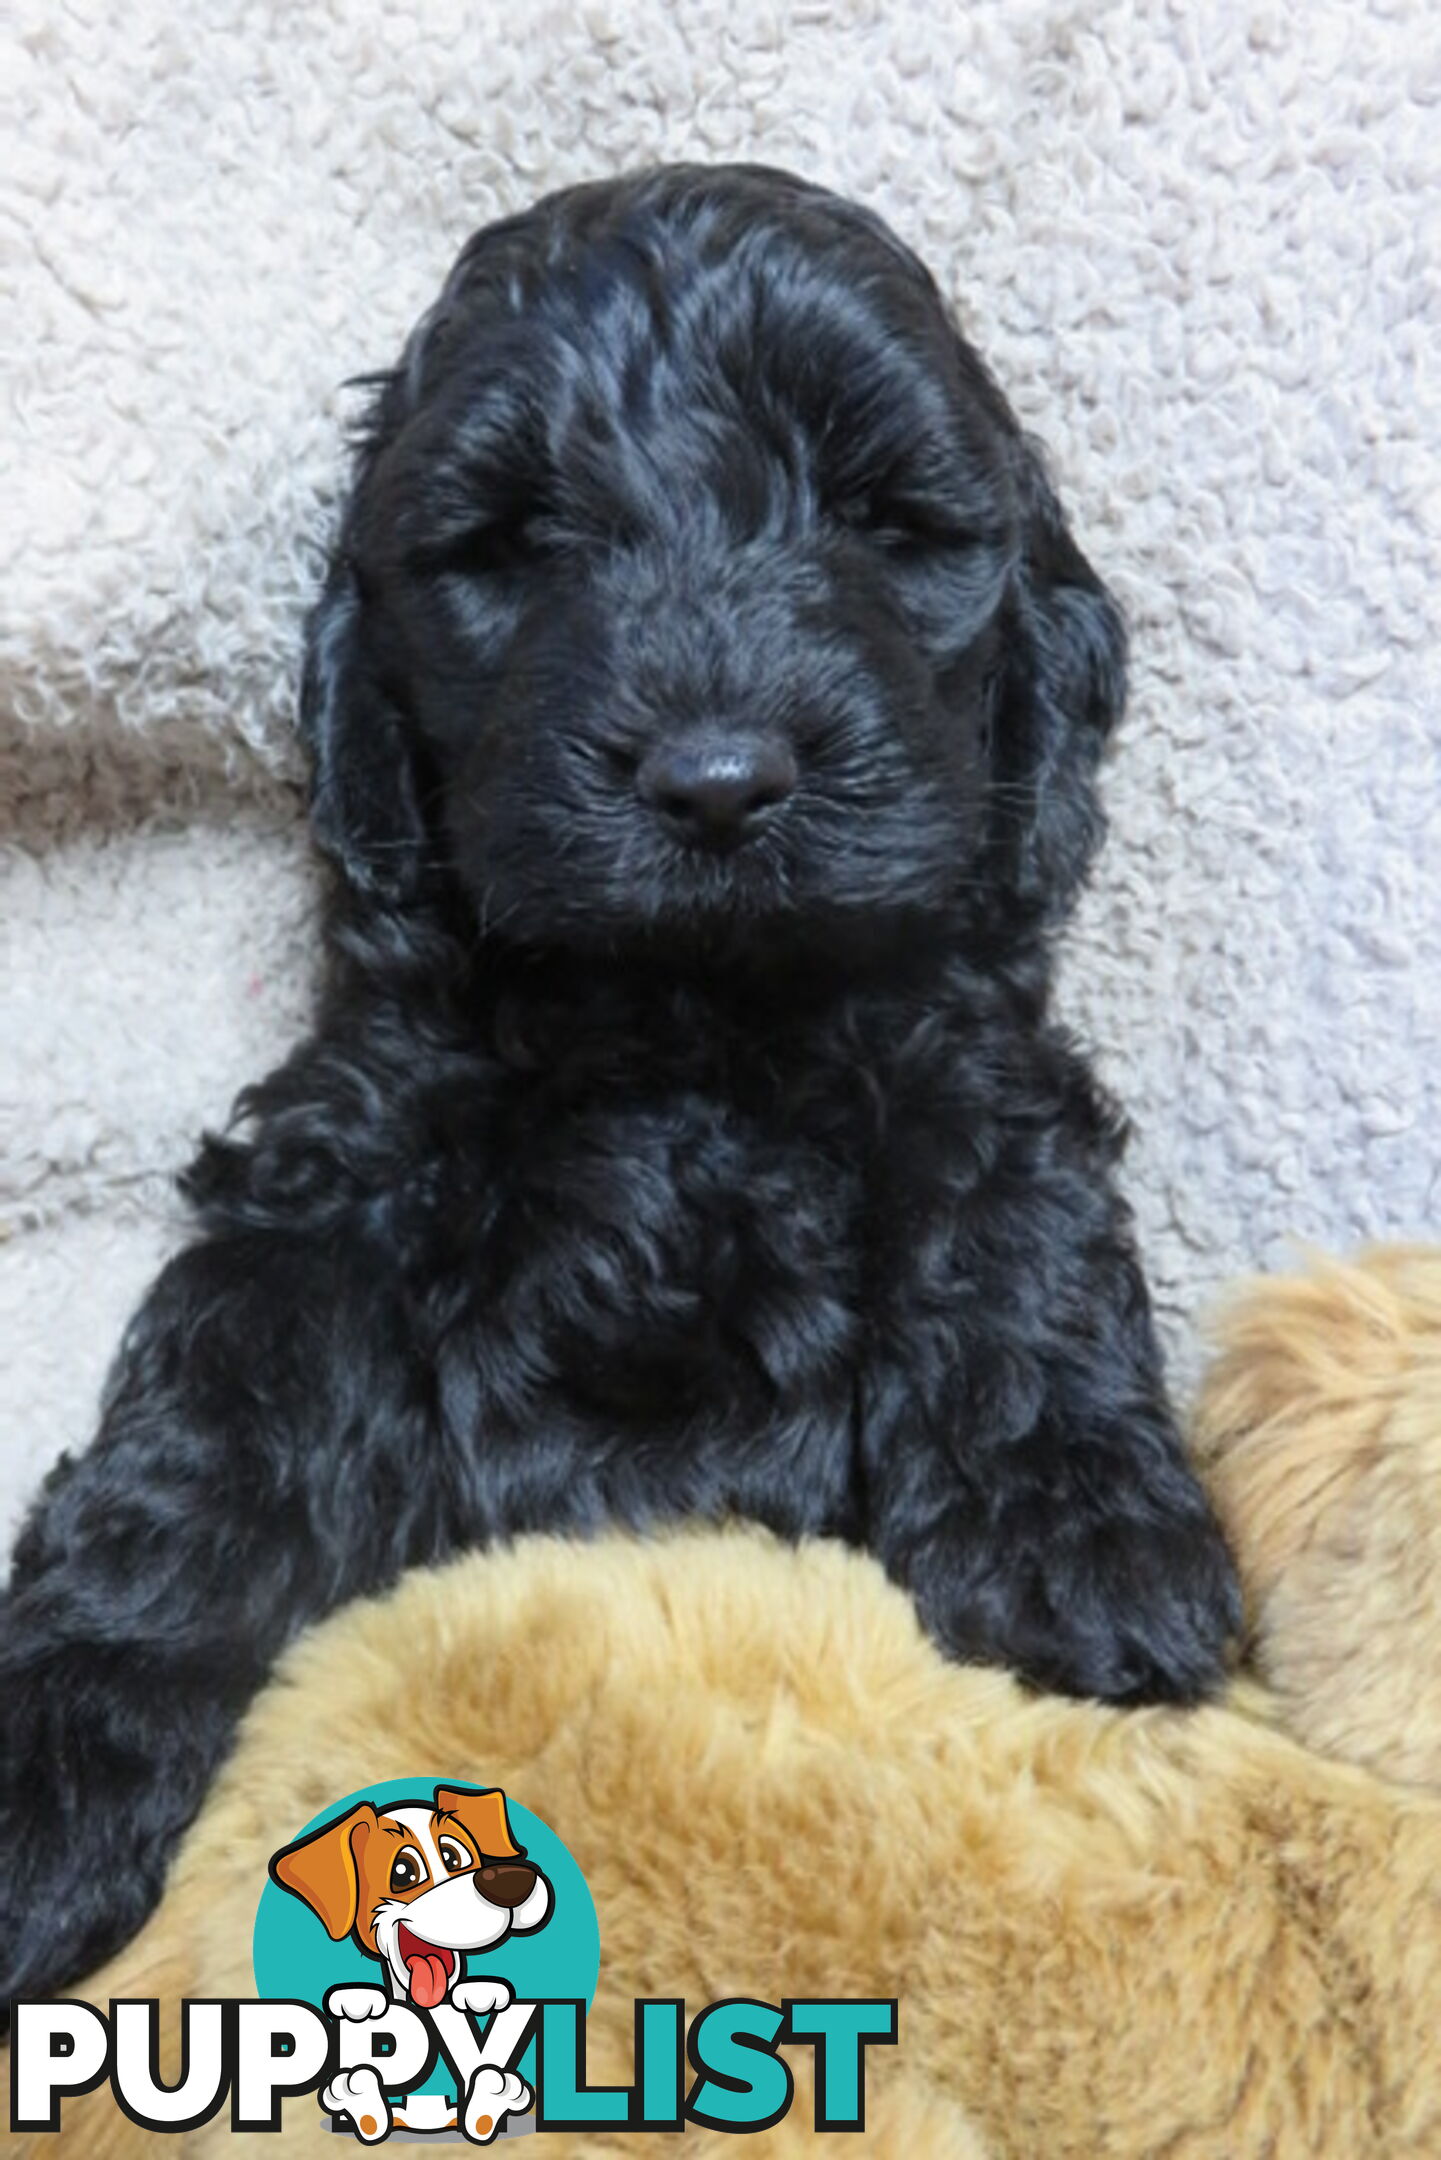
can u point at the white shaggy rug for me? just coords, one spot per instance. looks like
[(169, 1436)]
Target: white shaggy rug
[(1199, 242)]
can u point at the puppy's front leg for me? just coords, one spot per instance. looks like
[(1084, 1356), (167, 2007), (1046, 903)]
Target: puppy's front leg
[(255, 1465), (1028, 1484)]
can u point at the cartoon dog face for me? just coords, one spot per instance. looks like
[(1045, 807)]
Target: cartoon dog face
[(417, 1884)]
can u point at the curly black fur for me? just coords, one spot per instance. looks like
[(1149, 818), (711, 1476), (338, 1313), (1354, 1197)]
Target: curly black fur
[(638, 1165)]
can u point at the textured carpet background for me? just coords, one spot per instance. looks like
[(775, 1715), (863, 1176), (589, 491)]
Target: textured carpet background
[(1201, 245)]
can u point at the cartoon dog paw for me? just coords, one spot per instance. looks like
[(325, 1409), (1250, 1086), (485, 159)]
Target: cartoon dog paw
[(358, 2094), (493, 2094), (480, 1997), (356, 2003)]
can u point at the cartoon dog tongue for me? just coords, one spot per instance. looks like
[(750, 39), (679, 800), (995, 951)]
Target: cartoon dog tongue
[(429, 1969)]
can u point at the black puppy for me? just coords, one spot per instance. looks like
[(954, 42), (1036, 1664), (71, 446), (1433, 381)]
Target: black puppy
[(704, 701)]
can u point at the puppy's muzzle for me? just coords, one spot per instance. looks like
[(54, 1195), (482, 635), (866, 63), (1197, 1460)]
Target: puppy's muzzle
[(715, 790), (507, 1883)]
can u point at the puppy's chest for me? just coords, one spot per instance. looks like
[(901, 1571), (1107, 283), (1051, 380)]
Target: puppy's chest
[(677, 1259)]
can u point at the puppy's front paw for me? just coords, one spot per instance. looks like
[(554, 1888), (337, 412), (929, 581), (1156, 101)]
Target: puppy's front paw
[(1109, 1606), (358, 2094), (480, 1997), (493, 2095), (1148, 1611)]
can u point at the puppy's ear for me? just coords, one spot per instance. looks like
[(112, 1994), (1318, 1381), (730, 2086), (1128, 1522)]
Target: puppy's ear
[(1062, 689), (364, 806), (323, 1870), (483, 1815)]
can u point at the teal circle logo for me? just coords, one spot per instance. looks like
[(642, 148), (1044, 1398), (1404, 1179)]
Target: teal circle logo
[(388, 1849)]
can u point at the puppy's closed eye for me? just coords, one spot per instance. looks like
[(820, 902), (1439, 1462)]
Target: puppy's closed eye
[(907, 527), (507, 544)]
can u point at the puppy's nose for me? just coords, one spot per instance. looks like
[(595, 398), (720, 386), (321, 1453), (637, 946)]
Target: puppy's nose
[(508, 1882), (717, 788)]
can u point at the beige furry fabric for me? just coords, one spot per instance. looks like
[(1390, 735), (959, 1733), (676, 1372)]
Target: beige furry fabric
[(1319, 1429), (1110, 1935), (1198, 243)]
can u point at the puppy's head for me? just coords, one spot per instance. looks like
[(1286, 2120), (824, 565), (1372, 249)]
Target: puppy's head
[(418, 1884), (696, 578)]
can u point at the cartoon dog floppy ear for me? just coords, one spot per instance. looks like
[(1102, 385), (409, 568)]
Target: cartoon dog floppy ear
[(323, 1870)]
